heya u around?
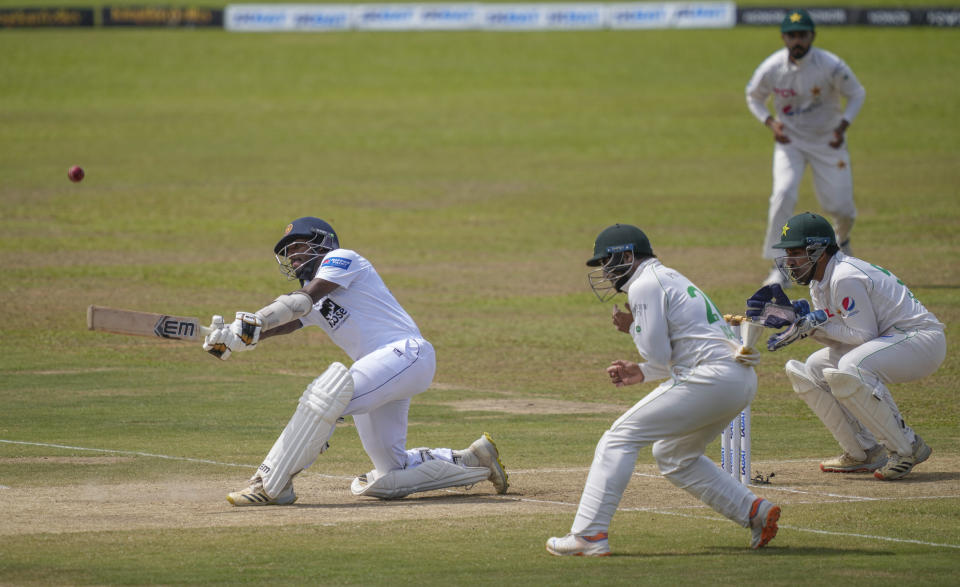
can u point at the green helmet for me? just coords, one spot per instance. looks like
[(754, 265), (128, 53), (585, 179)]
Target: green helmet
[(797, 20), (804, 230), (610, 256), (617, 239), (810, 232)]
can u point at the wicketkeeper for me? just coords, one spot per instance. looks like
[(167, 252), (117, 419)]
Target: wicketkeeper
[(709, 380), (876, 332), (343, 294)]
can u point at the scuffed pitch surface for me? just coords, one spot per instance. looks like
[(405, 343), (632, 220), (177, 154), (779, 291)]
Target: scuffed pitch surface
[(326, 500)]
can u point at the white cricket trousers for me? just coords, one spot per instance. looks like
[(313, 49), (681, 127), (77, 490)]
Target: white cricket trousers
[(384, 382), (679, 418), (832, 181), (897, 356)]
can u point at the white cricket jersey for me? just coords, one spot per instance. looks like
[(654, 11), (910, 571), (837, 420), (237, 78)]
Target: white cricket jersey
[(361, 315), (806, 95), (864, 301), (674, 323)]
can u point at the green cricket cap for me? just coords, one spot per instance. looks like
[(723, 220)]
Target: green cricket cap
[(797, 20)]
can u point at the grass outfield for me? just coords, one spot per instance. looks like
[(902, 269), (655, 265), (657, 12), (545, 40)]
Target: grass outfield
[(474, 170)]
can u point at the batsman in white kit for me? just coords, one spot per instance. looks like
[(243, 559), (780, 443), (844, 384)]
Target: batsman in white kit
[(344, 295), (875, 332), (709, 380), (809, 127)]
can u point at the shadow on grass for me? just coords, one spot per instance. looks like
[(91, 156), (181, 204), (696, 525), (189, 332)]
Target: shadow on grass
[(426, 501), (804, 551), (927, 477)]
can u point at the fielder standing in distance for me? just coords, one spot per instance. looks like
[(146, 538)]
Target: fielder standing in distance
[(809, 126), (344, 295), (875, 332), (710, 379)]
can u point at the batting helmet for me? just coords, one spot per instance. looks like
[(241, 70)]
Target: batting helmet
[(320, 238), (812, 233), (610, 255), (619, 238)]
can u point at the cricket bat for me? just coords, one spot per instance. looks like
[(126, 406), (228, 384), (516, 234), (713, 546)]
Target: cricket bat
[(137, 323)]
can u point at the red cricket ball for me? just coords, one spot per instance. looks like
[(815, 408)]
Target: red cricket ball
[(75, 174)]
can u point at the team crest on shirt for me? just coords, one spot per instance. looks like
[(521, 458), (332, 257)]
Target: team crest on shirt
[(333, 313)]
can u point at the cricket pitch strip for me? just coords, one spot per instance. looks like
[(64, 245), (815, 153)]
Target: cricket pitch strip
[(326, 500)]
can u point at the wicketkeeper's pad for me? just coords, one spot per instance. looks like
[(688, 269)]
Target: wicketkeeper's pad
[(870, 409), (826, 407)]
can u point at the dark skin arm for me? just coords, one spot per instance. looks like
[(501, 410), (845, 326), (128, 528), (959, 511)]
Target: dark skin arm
[(282, 329), (317, 290), (622, 319), (776, 127), (838, 134), (625, 373)]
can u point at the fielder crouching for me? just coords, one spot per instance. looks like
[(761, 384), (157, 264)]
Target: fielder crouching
[(875, 332), (344, 295), (709, 380)]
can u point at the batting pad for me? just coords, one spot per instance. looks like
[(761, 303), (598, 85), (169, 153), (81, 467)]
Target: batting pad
[(872, 411), (826, 407), (435, 474), (312, 424)]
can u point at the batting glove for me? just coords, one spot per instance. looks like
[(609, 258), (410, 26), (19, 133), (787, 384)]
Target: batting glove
[(771, 307), (798, 330), (220, 342), (247, 327)]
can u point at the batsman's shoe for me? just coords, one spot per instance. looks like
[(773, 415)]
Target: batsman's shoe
[(876, 458), (898, 466), (483, 453), (763, 522), (573, 545), (255, 495)]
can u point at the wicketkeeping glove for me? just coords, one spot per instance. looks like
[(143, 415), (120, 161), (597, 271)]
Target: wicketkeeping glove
[(221, 341), (771, 307), (798, 330), (801, 307), (247, 327)]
